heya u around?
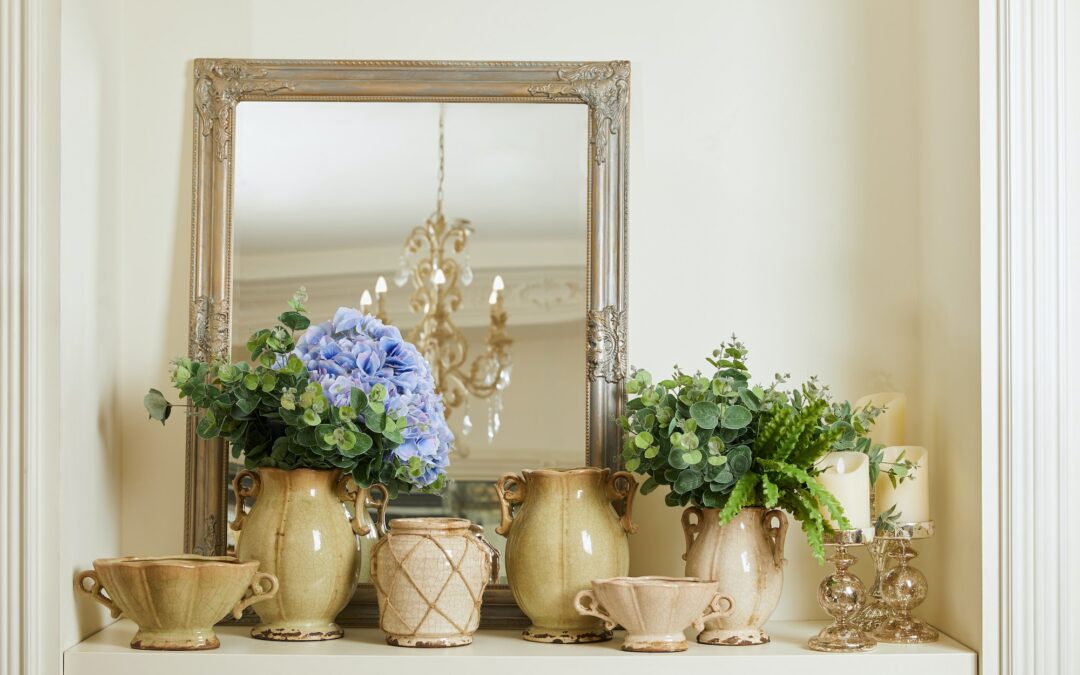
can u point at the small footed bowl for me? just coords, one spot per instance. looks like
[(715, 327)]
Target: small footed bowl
[(654, 610), (176, 600)]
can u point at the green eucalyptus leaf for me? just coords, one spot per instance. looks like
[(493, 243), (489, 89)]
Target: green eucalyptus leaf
[(705, 414), (736, 417)]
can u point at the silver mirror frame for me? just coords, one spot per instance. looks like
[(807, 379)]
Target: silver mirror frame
[(220, 84)]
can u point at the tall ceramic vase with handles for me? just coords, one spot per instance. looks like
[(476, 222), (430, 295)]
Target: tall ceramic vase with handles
[(747, 557), (301, 533), (565, 534)]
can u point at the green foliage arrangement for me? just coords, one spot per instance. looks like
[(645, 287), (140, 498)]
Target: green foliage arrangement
[(283, 411), (722, 442)]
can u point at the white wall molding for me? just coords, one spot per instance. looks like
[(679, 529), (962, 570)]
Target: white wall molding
[(1029, 339), (28, 340)]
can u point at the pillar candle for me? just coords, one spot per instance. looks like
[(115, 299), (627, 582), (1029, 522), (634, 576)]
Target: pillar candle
[(888, 428), (847, 477), (912, 496)]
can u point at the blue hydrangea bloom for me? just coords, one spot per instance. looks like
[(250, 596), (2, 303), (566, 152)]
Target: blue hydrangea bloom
[(358, 350)]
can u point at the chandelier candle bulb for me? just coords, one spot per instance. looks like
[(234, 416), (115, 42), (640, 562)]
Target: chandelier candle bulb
[(911, 496), (493, 298), (365, 301), (380, 286), (888, 428), (497, 285), (847, 476), (438, 278)]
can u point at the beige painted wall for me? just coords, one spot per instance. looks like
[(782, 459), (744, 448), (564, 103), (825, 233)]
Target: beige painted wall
[(91, 323), (776, 192)]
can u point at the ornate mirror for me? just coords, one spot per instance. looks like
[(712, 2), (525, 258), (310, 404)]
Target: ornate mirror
[(370, 184)]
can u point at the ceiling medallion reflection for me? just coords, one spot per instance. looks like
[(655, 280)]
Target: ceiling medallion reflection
[(436, 260)]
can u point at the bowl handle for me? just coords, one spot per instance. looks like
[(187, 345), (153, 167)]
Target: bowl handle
[(96, 591), (592, 609), (256, 593), (714, 611)]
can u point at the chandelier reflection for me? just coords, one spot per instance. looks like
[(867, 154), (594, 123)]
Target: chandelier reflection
[(436, 261)]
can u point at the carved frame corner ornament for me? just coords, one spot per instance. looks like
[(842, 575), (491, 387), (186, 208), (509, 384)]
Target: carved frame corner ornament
[(221, 84), (605, 87)]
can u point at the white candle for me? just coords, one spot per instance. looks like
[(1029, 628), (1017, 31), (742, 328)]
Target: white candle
[(888, 428), (910, 497), (847, 477)]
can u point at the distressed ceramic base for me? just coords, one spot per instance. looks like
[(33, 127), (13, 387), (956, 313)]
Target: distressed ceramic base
[(176, 641), (428, 642), (841, 639), (734, 638), (905, 630), (565, 637), (287, 632), (658, 644)]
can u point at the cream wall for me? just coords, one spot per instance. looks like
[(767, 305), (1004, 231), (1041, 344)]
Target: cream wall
[(949, 337), (777, 184), (92, 326)]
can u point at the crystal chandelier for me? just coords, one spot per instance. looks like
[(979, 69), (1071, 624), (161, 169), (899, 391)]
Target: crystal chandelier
[(436, 260)]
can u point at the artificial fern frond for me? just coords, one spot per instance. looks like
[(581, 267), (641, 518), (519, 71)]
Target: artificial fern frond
[(810, 519), (770, 491), (742, 494), (822, 496)]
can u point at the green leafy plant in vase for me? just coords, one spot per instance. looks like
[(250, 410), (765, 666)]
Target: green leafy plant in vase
[(321, 413), (738, 456)]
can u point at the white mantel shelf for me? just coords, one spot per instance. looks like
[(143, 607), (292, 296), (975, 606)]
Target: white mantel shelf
[(363, 651)]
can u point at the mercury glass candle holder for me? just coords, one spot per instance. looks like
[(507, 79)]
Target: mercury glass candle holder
[(842, 594), (874, 612), (903, 588)]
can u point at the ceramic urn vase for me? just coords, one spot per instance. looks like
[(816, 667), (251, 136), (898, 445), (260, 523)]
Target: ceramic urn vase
[(429, 576), (300, 531), (565, 534), (747, 557), (176, 600)]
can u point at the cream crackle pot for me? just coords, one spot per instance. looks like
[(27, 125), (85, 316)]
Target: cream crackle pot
[(565, 534), (429, 576), (301, 533), (747, 557)]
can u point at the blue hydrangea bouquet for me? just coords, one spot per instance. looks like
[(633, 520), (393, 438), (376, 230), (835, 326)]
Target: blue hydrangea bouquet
[(347, 394)]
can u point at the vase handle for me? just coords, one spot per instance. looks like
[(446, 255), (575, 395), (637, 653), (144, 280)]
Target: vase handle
[(242, 493), (592, 609), (508, 498), (256, 593), (691, 529), (361, 500), (492, 552), (776, 535), (714, 610), (96, 591), (624, 495)]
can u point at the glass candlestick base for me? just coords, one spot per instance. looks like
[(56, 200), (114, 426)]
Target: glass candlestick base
[(841, 594), (874, 612), (903, 588)]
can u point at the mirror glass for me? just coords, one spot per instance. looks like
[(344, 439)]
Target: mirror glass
[(326, 196)]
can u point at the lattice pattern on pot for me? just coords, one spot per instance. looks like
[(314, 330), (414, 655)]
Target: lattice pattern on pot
[(439, 602)]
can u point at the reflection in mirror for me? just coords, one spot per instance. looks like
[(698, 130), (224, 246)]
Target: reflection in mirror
[(395, 206)]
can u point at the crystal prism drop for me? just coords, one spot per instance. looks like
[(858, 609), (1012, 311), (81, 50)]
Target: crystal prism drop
[(466, 275), (466, 425), (402, 273)]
